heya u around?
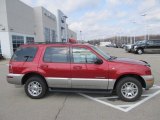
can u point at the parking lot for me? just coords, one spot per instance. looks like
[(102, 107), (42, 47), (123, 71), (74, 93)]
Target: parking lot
[(15, 105)]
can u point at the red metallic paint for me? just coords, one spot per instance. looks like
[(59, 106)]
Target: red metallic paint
[(108, 70)]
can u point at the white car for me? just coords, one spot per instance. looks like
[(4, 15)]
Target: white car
[(128, 47)]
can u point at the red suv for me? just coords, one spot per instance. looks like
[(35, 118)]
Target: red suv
[(77, 67)]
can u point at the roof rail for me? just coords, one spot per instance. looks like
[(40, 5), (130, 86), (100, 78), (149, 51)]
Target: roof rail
[(48, 43)]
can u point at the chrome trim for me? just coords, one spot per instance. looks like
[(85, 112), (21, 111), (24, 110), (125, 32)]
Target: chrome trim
[(149, 80), (111, 83), (15, 79)]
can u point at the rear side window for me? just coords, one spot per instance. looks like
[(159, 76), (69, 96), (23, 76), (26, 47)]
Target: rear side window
[(25, 54), (157, 42), (56, 54)]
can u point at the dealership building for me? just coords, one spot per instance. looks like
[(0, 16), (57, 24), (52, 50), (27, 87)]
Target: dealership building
[(20, 24)]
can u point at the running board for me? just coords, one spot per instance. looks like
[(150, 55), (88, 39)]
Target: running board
[(71, 90)]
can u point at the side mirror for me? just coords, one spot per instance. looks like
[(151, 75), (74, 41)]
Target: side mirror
[(98, 61)]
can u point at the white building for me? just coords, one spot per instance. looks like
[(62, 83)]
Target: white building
[(62, 26), (20, 24), (45, 25), (72, 34), (16, 25)]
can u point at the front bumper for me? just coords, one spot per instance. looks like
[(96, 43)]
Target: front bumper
[(127, 48), (149, 81), (15, 79)]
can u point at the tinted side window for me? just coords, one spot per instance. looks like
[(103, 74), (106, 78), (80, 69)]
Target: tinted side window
[(82, 55), (157, 42), (150, 42), (25, 54), (56, 54)]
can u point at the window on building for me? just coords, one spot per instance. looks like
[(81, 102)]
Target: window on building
[(83, 55), (17, 41), (53, 35), (26, 54), (29, 39), (47, 34), (56, 54)]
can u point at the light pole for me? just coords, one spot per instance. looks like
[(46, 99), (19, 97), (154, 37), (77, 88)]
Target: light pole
[(134, 33), (144, 15), (80, 35)]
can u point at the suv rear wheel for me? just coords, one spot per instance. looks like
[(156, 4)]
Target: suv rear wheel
[(129, 89), (35, 87)]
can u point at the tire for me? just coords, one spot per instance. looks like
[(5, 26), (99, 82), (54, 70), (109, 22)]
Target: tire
[(129, 89), (139, 51), (36, 87)]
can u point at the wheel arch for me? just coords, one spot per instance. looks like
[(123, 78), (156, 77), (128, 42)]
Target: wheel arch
[(31, 74), (140, 48), (138, 77)]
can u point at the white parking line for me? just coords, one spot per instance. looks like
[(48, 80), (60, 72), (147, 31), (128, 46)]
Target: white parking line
[(142, 101), (106, 97), (126, 107), (105, 103)]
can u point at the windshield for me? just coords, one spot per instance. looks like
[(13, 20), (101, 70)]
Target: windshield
[(99, 51)]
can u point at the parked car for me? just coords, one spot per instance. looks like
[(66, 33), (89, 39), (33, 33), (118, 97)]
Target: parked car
[(128, 47), (123, 45), (77, 67), (1, 57), (150, 46), (111, 45)]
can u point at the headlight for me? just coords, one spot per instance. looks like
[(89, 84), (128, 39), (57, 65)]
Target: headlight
[(135, 47)]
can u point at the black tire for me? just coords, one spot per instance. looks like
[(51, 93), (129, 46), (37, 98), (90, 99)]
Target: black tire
[(123, 92), (140, 51), (38, 87)]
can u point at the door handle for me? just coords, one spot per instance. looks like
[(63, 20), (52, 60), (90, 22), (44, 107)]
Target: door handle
[(77, 67), (44, 66)]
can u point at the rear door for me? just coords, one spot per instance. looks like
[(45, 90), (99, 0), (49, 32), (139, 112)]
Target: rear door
[(55, 66), (157, 46), (149, 46), (85, 73)]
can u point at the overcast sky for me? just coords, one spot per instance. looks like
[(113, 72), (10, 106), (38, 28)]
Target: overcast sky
[(105, 18)]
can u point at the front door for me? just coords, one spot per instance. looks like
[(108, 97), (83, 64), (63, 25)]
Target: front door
[(85, 73)]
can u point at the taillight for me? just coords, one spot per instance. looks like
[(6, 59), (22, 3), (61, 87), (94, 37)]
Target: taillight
[(10, 68)]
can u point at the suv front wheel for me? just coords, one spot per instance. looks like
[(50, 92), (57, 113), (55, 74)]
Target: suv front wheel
[(35, 87), (129, 89), (140, 51)]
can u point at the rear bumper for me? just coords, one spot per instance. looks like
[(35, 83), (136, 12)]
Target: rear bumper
[(149, 80), (15, 79)]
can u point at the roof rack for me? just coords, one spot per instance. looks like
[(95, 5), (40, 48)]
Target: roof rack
[(48, 43)]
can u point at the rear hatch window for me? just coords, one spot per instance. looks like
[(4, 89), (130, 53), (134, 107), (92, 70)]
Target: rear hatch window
[(24, 54)]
